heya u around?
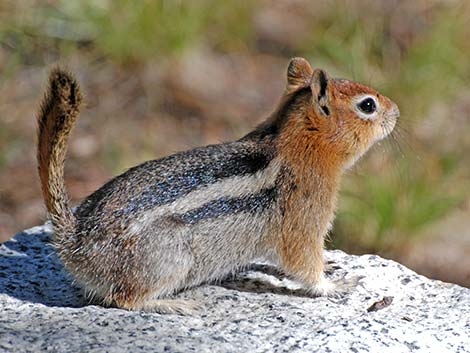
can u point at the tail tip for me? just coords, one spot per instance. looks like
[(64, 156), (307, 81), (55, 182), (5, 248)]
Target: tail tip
[(63, 85)]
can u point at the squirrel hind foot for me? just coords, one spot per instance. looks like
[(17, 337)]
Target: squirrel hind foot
[(163, 306)]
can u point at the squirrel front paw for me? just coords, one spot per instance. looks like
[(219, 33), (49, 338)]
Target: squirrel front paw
[(333, 289)]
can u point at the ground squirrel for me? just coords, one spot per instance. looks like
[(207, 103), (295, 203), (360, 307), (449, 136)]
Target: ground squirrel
[(196, 216)]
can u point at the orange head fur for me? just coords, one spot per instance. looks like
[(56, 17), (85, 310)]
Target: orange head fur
[(331, 122)]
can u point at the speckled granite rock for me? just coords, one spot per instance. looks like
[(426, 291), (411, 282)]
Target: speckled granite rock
[(253, 312)]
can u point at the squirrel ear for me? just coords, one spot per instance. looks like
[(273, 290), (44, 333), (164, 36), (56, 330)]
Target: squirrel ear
[(299, 74), (319, 85)]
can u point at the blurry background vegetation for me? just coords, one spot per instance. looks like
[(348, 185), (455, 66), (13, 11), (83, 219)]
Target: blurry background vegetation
[(162, 76)]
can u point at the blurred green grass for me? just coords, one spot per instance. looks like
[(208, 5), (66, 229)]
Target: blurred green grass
[(415, 52), (128, 32)]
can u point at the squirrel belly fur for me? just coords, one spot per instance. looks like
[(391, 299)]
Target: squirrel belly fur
[(199, 215)]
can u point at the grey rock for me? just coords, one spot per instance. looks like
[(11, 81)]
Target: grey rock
[(256, 311)]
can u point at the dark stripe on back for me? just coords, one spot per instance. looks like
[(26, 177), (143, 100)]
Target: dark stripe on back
[(177, 185), (158, 182), (254, 203)]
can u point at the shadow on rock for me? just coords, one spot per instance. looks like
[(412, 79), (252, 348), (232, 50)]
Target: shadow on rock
[(31, 271)]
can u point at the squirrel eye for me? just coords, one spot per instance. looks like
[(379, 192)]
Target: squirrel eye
[(367, 106)]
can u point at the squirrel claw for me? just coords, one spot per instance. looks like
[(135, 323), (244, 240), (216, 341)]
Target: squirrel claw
[(331, 267)]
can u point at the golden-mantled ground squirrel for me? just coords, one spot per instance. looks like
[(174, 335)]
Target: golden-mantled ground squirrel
[(196, 216)]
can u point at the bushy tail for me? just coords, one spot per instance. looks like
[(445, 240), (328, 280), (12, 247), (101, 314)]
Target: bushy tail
[(57, 115)]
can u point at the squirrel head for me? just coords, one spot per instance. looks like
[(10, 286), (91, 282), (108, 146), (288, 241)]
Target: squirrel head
[(339, 118)]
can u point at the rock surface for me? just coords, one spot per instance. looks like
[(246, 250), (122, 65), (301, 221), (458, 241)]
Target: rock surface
[(253, 312)]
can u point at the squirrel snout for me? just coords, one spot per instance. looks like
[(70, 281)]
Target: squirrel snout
[(394, 112)]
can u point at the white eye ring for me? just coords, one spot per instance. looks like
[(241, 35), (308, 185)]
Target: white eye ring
[(366, 106)]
